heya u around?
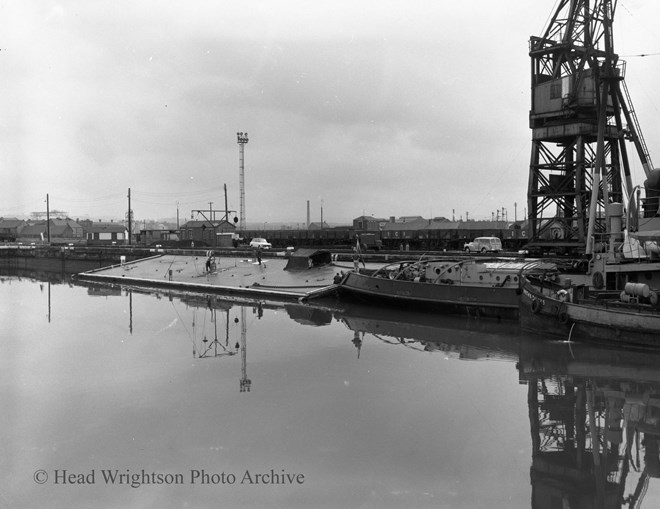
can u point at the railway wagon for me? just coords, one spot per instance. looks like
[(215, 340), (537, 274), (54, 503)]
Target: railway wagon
[(427, 239), (329, 237)]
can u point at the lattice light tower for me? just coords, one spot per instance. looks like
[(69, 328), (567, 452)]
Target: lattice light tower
[(242, 140), (579, 163)]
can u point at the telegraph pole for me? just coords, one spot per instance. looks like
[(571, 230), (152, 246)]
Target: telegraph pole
[(130, 225), (48, 217), (242, 140), (226, 206)]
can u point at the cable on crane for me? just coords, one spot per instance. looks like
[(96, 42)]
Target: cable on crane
[(641, 55)]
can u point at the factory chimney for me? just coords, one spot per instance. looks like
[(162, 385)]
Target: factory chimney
[(308, 214)]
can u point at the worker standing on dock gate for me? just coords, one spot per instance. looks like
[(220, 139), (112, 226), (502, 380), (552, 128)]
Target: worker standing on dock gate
[(209, 261), (259, 254)]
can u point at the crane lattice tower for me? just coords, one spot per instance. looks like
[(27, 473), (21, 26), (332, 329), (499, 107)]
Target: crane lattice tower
[(579, 161)]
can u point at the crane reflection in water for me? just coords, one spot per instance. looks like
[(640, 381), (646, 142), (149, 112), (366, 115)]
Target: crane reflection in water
[(595, 424), (594, 412)]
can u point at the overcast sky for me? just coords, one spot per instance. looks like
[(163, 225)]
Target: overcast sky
[(386, 108)]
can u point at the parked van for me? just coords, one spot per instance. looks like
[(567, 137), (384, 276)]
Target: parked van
[(483, 245)]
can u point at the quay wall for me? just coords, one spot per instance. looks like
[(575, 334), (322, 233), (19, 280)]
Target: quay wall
[(111, 255), (75, 259), (64, 260)]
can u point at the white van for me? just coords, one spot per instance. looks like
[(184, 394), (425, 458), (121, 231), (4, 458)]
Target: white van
[(483, 245)]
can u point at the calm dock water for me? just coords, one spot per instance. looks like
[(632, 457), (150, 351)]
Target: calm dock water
[(114, 397)]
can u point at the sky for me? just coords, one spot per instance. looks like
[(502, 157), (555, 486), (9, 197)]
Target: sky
[(384, 108)]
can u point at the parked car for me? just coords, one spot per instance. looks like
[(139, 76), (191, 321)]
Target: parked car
[(483, 245), (259, 242)]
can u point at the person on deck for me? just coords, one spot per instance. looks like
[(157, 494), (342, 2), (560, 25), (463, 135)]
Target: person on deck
[(209, 261)]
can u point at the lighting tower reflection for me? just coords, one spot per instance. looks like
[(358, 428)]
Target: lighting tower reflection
[(246, 383)]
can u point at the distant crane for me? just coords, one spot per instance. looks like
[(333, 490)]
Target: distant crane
[(579, 174)]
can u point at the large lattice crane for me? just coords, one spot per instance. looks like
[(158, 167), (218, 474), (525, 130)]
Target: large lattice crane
[(582, 122)]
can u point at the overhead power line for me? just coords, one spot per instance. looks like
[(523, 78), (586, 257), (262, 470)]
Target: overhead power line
[(641, 55)]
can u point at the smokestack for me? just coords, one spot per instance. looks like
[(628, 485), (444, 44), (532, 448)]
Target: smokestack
[(308, 214)]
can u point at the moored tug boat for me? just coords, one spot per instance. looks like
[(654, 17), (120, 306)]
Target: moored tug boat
[(555, 306)]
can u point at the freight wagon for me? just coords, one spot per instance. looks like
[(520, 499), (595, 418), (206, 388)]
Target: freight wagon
[(392, 238)]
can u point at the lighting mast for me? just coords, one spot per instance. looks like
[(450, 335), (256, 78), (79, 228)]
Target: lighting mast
[(242, 140)]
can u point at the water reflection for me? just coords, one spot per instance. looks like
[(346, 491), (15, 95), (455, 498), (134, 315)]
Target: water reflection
[(377, 409), (461, 337), (594, 413), (595, 422)]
